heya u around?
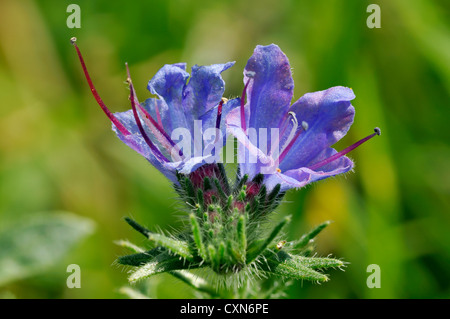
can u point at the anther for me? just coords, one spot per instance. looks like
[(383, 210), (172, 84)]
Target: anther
[(305, 125), (250, 74)]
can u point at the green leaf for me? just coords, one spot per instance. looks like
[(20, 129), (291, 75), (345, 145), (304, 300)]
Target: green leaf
[(298, 267), (139, 259), (305, 239), (178, 247), (130, 246), (162, 263), (132, 293), (261, 245), (196, 232), (34, 245), (296, 271), (241, 235), (223, 178), (318, 262), (195, 282)]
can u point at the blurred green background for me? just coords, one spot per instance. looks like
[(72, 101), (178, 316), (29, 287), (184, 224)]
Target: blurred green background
[(58, 153)]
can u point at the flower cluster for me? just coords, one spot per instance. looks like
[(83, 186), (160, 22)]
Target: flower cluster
[(281, 146)]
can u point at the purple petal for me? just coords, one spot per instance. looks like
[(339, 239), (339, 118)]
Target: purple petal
[(338, 166), (295, 179), (136, 142), (300, 177), (329, 115), (169, 83), (159, 111), (205, 88), (271, 88)]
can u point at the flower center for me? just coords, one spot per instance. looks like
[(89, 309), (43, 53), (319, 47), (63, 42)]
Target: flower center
[(293, 135)]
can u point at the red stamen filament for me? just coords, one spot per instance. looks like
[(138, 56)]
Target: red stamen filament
[(152, 146), (288, 147), (218, 118), (219, 113), (122, 129), (344, 151), (243, 124)]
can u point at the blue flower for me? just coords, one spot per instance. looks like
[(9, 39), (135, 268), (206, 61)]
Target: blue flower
[(185, 106), (289, 144)]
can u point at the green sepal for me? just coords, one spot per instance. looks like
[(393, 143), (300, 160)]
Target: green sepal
[(221, 192), (200, 198), (196, 233), (207, 183), (258, 179), (224, 178), (241, 182), (241, 235), (274, 197), (189, 189)]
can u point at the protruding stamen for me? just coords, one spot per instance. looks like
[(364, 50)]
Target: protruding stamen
[(334, 157), (377, 130), (293, 130), (243, 124), (219, 112), (152, 146), (122, 129), (219, 117), (293, 135)]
